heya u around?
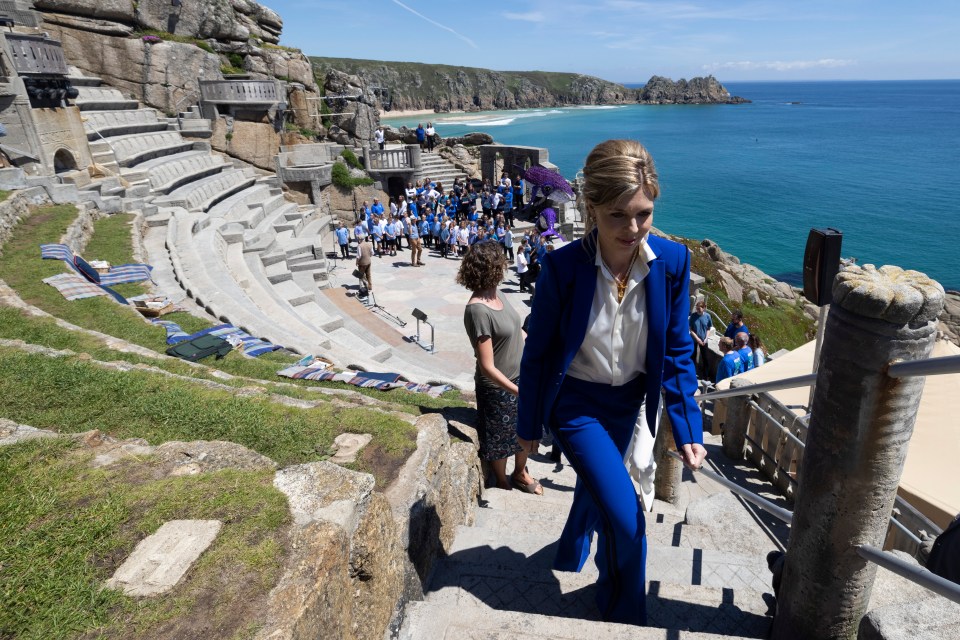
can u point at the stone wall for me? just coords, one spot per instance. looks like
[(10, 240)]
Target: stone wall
[(360, 554), (13, 210)]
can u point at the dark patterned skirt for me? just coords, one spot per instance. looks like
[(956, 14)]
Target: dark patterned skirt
[(496, 422)]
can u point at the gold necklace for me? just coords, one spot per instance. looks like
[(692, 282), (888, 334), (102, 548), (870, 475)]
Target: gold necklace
[(622, 283)]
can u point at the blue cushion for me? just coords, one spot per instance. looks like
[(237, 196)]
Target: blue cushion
[(86, 270)]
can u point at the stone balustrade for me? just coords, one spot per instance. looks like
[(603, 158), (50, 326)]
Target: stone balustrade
[(389, 159), (36, 55), (242, 92)]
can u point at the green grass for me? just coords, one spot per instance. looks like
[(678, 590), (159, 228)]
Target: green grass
[(779, 325), (66, 527), (22, 268), (4, 195), (340, 176), (73, 395)]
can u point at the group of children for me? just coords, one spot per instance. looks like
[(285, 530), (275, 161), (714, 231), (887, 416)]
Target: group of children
[(447, 221), (742, 350)]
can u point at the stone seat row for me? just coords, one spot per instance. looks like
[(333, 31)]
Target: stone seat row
[(104, 124), (200, 195), (132, 149), (102, 98), (167, 173)]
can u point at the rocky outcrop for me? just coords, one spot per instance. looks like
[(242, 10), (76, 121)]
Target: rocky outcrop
[(238, 20), (660, 90), (411, 86), (353, 102), (405, 86), (742, 281), (104, 39)]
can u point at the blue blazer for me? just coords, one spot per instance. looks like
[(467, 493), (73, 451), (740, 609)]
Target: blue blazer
[(558, 325)]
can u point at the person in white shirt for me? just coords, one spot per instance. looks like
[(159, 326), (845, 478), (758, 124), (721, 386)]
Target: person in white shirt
[(608, 333), (431, 136), (523, 266), (379, 138)]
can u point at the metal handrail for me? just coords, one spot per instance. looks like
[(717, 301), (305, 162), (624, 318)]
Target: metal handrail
[(725, 307), (773, 385), (926, 367), (919, 575), (904, 529), (782, 427), (763, 503)]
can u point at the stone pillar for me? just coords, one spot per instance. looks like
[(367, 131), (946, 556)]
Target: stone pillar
[(860, 427), (737, 420), (416, 162)]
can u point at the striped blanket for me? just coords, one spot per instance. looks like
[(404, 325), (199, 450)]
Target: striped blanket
[(250, 347), (117, 275), (74, 287), (319, 372)]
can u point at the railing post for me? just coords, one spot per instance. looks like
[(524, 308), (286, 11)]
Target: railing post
[(666, 482), (735, 424), (860, 426)]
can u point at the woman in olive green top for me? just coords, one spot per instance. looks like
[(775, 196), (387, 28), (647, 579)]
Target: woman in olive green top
[(497, 339)]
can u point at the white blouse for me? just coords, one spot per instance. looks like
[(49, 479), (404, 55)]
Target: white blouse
[(614, 351)]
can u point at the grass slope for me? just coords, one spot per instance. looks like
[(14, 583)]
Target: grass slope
[(67, 527)]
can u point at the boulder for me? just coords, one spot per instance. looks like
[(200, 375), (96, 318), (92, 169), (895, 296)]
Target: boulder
[(347, 573), (731, 286), (253, 142)]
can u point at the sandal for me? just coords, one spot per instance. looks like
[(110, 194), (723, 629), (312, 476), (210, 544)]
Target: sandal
[(527, 488)]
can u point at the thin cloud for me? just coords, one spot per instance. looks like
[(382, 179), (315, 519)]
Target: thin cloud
[(435, 23), (530, 16), (777, 65)]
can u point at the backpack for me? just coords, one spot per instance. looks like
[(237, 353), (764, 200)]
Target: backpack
[(201, 347)]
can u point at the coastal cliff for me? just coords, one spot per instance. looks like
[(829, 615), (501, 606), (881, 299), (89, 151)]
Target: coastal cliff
[(407, 86)]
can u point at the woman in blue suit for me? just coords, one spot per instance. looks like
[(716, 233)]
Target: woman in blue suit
[(609, 330)]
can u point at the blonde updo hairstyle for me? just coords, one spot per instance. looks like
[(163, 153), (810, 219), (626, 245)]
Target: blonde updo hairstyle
[(613, 173)]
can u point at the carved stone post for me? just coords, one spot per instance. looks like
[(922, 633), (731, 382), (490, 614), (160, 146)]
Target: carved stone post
[(735, 425), (666, 483), (860, 426)]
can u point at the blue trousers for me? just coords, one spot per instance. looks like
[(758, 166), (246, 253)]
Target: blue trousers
[(593, 424)]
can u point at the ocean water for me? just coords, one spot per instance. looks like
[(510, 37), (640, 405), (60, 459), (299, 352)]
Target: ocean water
[(876, 160)]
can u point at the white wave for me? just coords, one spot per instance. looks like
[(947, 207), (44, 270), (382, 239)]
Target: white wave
[(600, 106), (477, 122)]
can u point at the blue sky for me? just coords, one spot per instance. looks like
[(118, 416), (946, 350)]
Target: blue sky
[(631, 40)]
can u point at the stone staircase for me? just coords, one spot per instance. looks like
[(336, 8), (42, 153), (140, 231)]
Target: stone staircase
[(706, 581), (435, 167)]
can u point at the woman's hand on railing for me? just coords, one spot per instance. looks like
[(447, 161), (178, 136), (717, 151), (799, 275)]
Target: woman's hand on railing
[(693, 455)]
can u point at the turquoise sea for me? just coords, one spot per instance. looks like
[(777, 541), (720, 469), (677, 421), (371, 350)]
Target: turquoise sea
[(876, 160)]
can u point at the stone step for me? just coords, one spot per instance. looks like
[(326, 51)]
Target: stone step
[(136, 148), (102, 99), (466, 622), (106, 124), (200, 195), (674, 565)]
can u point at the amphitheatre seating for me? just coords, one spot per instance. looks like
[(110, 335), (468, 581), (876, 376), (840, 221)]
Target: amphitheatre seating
[(200, 195), (199, 269), (132, 149), (167, 173), (104, 124), (101, 99)]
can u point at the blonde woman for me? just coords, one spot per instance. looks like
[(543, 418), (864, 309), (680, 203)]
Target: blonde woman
[(608, 331)]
